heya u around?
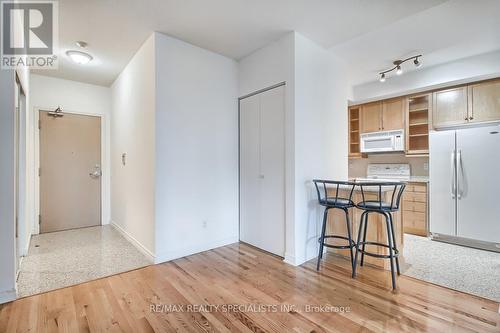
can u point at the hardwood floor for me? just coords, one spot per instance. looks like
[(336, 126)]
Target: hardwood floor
[(242, 275)]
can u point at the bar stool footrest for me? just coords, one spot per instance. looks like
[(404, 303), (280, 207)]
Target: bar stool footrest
[(376, 255), (352, 244)]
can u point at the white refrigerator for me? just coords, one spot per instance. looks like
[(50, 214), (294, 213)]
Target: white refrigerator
[(465, 186)]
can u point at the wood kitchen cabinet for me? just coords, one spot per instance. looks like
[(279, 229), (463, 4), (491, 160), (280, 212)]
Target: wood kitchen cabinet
[(414, 209), (418, 111), (484, 101), (382, 116), (354, 142), (376, 232), (393, 115), (449, 107), (371, 117)]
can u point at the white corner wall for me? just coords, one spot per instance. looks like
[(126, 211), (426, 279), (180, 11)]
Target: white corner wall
[(196, 149), (133, 133), (264, 68), (48, 93), (475, 68), (321, 93), (317, 91)]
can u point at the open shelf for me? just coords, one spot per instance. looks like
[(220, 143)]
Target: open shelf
[(418, 125), (354, 147), (418, 110)]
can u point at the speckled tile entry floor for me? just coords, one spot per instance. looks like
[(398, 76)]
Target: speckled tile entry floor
[(65, 258)]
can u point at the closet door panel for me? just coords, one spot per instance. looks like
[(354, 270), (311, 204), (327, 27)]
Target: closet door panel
[(272, 168), (249, 169)]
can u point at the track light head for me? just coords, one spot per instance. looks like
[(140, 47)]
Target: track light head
[(417, 63), (399, 71), (382, 77)]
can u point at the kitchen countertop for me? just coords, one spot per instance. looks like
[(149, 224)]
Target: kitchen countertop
[(412, 179), (419, 179)]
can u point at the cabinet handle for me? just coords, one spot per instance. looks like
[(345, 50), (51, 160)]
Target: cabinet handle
[(466, 118), (470, 118)]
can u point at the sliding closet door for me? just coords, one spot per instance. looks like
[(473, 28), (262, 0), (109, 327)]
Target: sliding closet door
[(249, 170), (262, 170)]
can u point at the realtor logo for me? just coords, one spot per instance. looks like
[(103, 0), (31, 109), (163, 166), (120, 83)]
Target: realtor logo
[(29, 34)]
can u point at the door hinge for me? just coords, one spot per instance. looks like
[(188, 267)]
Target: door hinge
[(39, 171), (39, 124), (39, 219)]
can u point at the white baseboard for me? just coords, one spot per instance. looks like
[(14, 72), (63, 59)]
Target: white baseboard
[(171, 255), (7, 296), (134, 241), (289, 259), (26, 249)]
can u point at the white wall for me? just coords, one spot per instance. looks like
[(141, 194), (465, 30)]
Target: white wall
[(7, 214), (465, 70), (321, 93), (133, 133), (48, 93), (196, 149), (316, 127), (261, 69)]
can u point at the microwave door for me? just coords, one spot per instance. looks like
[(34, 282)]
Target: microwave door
[(378, 144)]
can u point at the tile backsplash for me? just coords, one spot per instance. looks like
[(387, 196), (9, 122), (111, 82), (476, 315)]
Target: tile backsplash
[(419, 166)]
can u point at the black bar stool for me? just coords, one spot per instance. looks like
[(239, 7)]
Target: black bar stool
[(386, 209), (324, 188)]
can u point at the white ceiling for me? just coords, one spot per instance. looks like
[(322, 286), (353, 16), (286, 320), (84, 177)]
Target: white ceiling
[(454, 30), (115, 29)]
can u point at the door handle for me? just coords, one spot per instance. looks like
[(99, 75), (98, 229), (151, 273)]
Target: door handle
[(460, 180), (453, 179), (96, 173)]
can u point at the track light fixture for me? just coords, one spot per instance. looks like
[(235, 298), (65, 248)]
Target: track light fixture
[(397, 66)]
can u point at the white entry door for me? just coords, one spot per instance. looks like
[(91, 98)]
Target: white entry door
[(262, 170)]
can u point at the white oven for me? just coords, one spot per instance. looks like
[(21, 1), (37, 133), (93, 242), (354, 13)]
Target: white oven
[(386, 141)]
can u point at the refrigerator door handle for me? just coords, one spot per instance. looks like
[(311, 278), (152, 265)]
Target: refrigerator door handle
[(460, 172), (453, 177)]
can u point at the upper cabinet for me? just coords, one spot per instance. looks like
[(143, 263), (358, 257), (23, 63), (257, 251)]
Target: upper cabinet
[(354, 144), (478, 102), (371, 117), (484, 101), (393, 115), (417, 124), (417, 114), (449, 107), (382, 116)]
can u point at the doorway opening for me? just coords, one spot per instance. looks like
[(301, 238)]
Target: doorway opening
[(71, 243)]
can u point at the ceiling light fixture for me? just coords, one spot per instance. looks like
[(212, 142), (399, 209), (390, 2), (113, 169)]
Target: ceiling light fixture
[(78, 57), (81, 43), (397, 66)]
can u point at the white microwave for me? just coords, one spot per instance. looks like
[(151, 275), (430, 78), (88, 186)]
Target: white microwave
[(387, 141)]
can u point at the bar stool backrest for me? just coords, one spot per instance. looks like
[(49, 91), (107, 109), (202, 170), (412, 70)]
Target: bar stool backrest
[(397, 189), (330, 189)]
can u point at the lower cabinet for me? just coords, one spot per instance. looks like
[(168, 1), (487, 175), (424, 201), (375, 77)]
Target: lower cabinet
[(414, 208), (376, 232)]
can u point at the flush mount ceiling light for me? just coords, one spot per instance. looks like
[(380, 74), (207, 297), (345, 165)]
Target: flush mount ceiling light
[(79, 57), (397, 66), (81, 43)]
